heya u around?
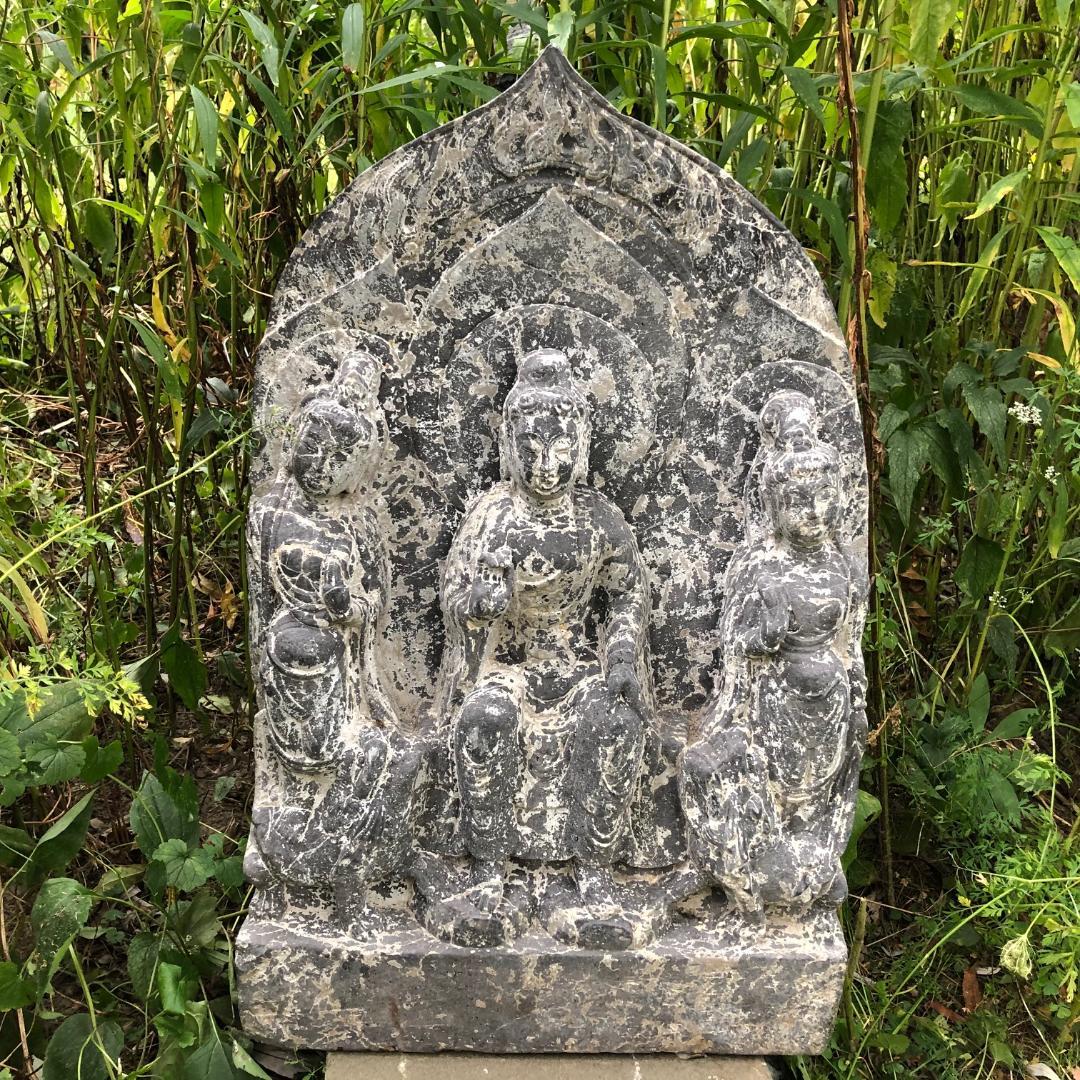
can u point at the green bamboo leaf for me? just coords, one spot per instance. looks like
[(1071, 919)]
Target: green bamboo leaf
[(268, 49), (929, 21), (996, 192), (352, 37), (282, 123), (206, 121), (987, 257), (42, 116), (834, 219), (560, 30), (1065, 249), (58, 47)]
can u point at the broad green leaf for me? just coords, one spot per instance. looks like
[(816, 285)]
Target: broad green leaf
[(101, 761), (929, 20), (907, 457), (245, 1062), (1072, 103), (16, 846), (997, 191), (805, 87), (209, 1062), (230, 872), (56, 763), (98, 226), (993, 104), (187, 673), (352, 37), (979, 702), (158, 814), (195, 922), (142, 962), (268, 49), (953, 188), (79, 1051), (62, 714), (1016, 725), (64, 839), (206, 121), (59, 48), (867, 809), (979, 565), (834, 219), (186, 868), (175, 987), (882, 286), (59, 913), (1065, 250), (1059, 519), (42, 116), (988, 407), (15, 991), (10, 754), (1003, 795)]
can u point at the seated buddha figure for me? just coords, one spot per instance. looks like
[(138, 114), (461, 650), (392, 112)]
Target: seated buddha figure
[(545, 685)]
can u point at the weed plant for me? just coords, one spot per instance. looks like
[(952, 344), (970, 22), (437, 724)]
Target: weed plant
[(158, 161)]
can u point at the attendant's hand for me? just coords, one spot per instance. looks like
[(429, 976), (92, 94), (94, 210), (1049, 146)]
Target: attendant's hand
[(623, 683), (492, 587), (775, 614), (335, 590)]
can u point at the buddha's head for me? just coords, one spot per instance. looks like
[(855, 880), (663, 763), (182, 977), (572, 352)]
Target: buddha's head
[(801, 477), (340, 435), (546, 427)]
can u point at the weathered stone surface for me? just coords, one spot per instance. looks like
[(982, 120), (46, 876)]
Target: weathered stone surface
[(557, 544), (711, 985), (557, 1067)]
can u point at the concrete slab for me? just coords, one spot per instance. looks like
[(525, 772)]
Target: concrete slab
[(373, 1066)]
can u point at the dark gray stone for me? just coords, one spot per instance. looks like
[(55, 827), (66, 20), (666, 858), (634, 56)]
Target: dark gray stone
[(711, 985), (557, 544)]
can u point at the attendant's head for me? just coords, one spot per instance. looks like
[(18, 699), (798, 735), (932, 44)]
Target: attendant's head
[(546, 427), (339, 435), (800, 480)]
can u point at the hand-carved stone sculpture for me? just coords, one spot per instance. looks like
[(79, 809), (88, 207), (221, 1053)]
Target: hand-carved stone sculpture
[(321, 581), (545, 684), (769, 787), (543, 394)]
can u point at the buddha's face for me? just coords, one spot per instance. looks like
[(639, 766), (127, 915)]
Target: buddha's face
[(547, 451), (335, 452), (806, 508)]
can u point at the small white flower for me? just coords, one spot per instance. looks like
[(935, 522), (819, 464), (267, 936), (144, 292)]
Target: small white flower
[(997, 600), (1025, 413), (1051, 474)]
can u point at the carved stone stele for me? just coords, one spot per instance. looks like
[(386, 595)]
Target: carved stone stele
[(557, 547)]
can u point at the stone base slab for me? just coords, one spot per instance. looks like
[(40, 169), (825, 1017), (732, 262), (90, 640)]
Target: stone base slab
[(722, 986), (373, 1066)]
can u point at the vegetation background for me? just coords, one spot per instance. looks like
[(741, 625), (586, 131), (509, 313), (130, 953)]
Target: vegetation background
[(158, 161)]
